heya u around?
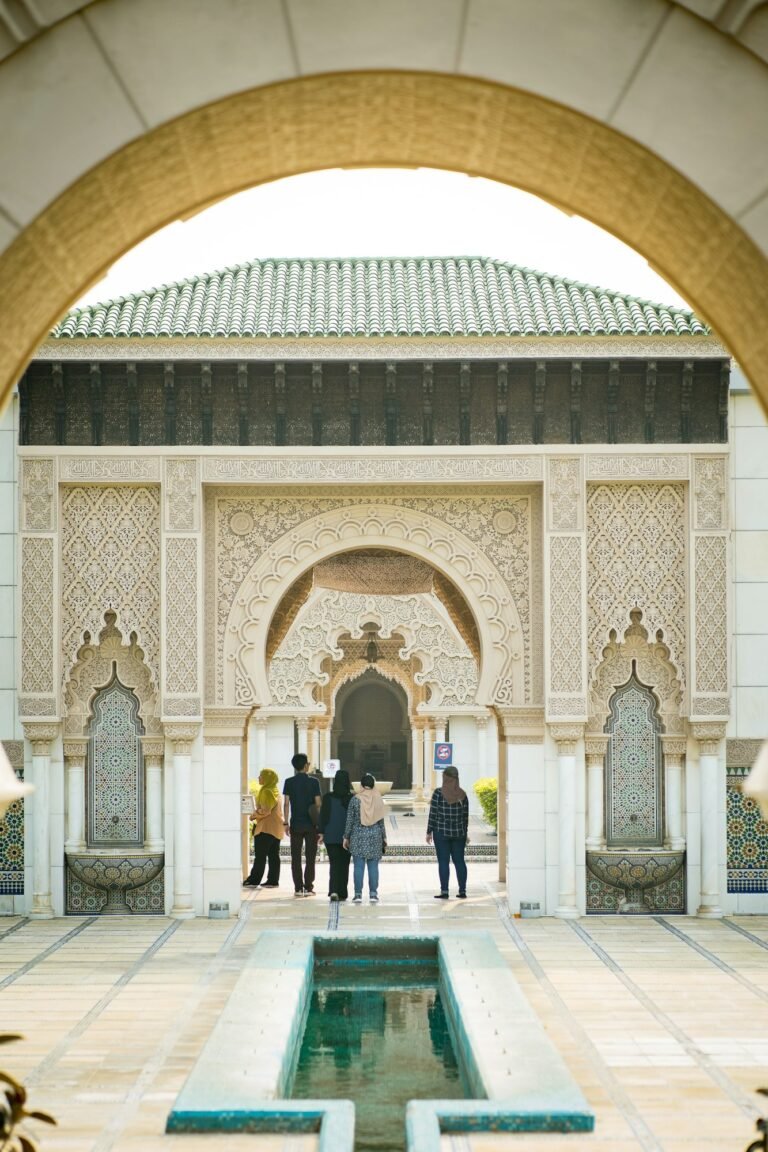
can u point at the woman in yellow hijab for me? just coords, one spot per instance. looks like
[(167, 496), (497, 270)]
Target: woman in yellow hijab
[(268, 831)]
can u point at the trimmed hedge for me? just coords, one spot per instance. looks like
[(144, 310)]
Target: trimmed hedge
[(486, 790)]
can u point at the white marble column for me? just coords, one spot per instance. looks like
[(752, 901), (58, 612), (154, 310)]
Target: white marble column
[(314, 745), (566, 737), (75, 753), (428, 745), (481, 724), (417, 760), (324, 749), (302, 725), (40, 737), (181, 737), (595, 755), (674, 753), (709, 737), (259, 726), (152, 750)]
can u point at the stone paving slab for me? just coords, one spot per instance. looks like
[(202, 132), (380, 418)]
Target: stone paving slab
[(667, 1042)]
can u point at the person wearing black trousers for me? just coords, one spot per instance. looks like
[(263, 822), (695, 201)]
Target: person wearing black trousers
[(333, 818), (268, 831)]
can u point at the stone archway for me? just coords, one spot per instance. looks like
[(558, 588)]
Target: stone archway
[(130, 179), (370, 525)]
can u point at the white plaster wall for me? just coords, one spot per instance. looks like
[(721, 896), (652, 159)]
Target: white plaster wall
[(463, 731), (221, 827), (280, 746), (9, 725), (749, 591), (527, 827)]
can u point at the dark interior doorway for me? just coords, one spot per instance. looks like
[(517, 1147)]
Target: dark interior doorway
[(372, 732)]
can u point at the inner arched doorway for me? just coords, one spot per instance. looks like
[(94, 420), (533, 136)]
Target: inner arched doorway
[(371, 730)]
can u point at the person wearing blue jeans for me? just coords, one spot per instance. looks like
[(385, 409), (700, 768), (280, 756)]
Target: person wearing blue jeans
[(365, 837), (448, 826)]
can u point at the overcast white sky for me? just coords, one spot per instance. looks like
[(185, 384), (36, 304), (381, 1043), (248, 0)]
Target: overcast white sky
[(384, 212)]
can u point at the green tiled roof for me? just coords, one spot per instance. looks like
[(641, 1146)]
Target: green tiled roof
[(434, 296)]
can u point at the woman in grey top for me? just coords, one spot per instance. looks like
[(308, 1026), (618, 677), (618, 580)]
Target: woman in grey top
[(365, 837)]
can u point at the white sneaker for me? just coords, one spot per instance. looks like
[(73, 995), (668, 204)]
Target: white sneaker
[(357, 898), (374, 897)]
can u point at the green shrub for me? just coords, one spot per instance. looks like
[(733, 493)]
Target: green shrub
[(486, 790)]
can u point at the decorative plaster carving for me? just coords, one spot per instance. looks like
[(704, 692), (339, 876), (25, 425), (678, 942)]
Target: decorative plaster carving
[(566, 706), (566, 614), (741, 753), (37, 615), (181, 616), (110, 562), (595, 748), (40, 737), (623, 466), (251, 574), (636, 558), (14, 750), (535, 738), (448, 668), (182, 706), (38, 490), (709, 492), (75, 750), (182, 736), (709, 736), (674, 748), (650, 661), (566, 736), (565, 488), (369, 469), (710, 706), (181, 494), (711, 615), (383, 348), (109, 469), (153, 751), (94, 667), (226, 726), (37, 706)]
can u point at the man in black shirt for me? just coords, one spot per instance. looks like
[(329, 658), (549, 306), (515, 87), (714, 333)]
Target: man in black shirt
[(301, 806)]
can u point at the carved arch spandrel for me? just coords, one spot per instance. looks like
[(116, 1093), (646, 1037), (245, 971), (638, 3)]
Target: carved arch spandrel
[(649, 660), (502, 665), (94, 668)]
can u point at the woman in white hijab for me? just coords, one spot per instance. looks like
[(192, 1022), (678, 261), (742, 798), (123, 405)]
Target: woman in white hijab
[(365, 837)]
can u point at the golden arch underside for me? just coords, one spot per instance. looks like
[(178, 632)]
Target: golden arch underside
[(386, 119)]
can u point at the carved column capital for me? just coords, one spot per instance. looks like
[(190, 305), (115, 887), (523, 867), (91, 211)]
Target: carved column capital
[(153, 751), (182, 737), (594, 748), (481, 722), (76, 751), (709, 736), (303, 723), (40, 737), (674, 749), (566, 736)]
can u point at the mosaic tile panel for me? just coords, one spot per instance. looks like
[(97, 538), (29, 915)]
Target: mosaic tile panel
[(664, 898), (634, 768), (12, 847), (83, 899), (115, 777), (747, 838)]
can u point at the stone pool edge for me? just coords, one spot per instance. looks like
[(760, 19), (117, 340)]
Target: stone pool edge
[(239, 1081)]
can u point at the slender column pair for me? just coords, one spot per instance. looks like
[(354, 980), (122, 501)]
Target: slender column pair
[(566, 737), (40, 737)]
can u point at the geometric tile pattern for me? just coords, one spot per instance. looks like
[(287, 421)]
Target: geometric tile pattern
[(668, 897), (115, 784), (12, 847), (634, 768), (747, 838), (85, 899)]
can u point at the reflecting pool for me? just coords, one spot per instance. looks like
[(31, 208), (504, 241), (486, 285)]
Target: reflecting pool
[(377, 1035)]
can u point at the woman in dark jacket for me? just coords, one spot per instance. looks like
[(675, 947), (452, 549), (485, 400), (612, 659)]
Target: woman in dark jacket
[(333, 819)]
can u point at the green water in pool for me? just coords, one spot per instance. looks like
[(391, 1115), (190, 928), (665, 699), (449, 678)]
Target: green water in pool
[(379, 1037)]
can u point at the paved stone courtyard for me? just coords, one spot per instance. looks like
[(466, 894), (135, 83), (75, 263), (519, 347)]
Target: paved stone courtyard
[(662, 1021)]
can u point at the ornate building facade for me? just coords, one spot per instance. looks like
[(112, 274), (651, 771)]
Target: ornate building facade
[(353, 507)]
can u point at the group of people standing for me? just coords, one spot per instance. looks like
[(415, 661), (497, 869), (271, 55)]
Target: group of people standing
[(352, 828)]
